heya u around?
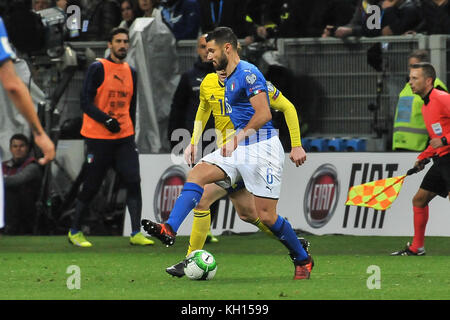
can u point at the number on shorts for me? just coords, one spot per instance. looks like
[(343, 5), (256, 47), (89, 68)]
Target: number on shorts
[(269, 176)]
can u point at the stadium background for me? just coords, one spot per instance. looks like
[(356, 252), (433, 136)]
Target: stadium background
[(332, 83)]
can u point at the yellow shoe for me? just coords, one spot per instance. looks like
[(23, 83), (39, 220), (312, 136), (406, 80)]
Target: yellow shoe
[(79, 240), (211, 238), (140, 240)]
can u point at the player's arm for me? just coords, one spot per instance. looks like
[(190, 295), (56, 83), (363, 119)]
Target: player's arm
[(133, 99), (20, 96), (261, 116), (436, 143), (201, 118), (281, 103), (93, 80)]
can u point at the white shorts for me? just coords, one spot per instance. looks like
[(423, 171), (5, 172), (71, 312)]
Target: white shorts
[(259, 165)]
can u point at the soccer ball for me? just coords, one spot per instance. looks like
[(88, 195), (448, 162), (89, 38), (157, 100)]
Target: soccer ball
[(200, 265)]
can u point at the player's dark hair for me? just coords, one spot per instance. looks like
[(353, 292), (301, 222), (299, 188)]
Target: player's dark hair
[(428, 69), (21, 137), (223, 35), (420, 54), (115, 31)]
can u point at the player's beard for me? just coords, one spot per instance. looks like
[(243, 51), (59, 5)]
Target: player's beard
[(222, 62), (121, 54)]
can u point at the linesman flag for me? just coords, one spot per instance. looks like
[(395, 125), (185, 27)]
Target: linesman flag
[(379, 194)]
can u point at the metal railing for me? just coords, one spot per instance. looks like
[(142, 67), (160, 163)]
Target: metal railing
[(340, 72)]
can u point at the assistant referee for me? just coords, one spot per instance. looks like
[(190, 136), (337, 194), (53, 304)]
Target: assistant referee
[(436, 182), (108, 101)]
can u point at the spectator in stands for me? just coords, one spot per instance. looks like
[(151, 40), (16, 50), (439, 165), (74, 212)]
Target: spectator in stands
[(229, 13), (150, 8), (22, 177), (186, 98), (436, 17), (128, 12), (399, 17), (263, 17), (309, 18), (410, 132), (61, 4), (103, 16), (358, 24), (41, 4), (182, 17)]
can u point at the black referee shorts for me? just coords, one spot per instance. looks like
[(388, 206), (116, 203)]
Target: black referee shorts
[(121, 154), (437, 179)]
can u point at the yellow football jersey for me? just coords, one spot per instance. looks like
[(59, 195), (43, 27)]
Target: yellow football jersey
[(212, 93)]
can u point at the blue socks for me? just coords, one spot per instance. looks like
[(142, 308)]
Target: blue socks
[(283, 230), (189, 198)]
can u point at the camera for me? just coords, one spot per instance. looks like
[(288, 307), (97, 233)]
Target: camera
[(35, 33)]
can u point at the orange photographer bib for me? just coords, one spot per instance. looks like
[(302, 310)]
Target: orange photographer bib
[(113, 98)]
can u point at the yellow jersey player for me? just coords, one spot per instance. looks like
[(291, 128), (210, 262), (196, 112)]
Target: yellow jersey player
[(212, 102)]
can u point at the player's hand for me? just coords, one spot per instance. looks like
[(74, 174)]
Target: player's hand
[(297, 156), (112, 125), (420, 165), (189, 154), (229, 147), (328, 31), (343, 32), (436, 143), (47, 147)]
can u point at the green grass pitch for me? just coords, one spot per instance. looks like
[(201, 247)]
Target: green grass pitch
[(250, 267)]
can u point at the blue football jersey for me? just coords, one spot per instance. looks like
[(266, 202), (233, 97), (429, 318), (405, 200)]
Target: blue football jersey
[(245, 82), (5, 48)]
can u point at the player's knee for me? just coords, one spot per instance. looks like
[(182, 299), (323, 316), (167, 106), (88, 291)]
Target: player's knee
[(267, 217), (86, 195), (133, 186), (247, 214), (204, 204), (420, 200)]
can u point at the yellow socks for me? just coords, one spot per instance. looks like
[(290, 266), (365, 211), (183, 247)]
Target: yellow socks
[(200, 228), (261, 226)]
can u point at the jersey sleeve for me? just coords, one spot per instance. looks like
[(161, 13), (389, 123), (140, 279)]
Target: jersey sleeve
[(201, 117), (6, 52), (281, 103), (253, 82)]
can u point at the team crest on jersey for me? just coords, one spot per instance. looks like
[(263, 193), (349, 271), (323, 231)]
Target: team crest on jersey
[(270, 86), (437, 128), (232, 86), (251, 78)]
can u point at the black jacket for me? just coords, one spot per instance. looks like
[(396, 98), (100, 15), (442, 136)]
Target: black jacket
[(402, 18), (436, 20), (103, 15), (186, 99), (232, 15)]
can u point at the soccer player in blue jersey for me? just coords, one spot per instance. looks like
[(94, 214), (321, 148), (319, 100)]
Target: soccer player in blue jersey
[(20, 96), (255, 155)]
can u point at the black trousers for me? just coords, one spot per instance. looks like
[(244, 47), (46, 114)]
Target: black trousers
[(437, 179), (122, 155)]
